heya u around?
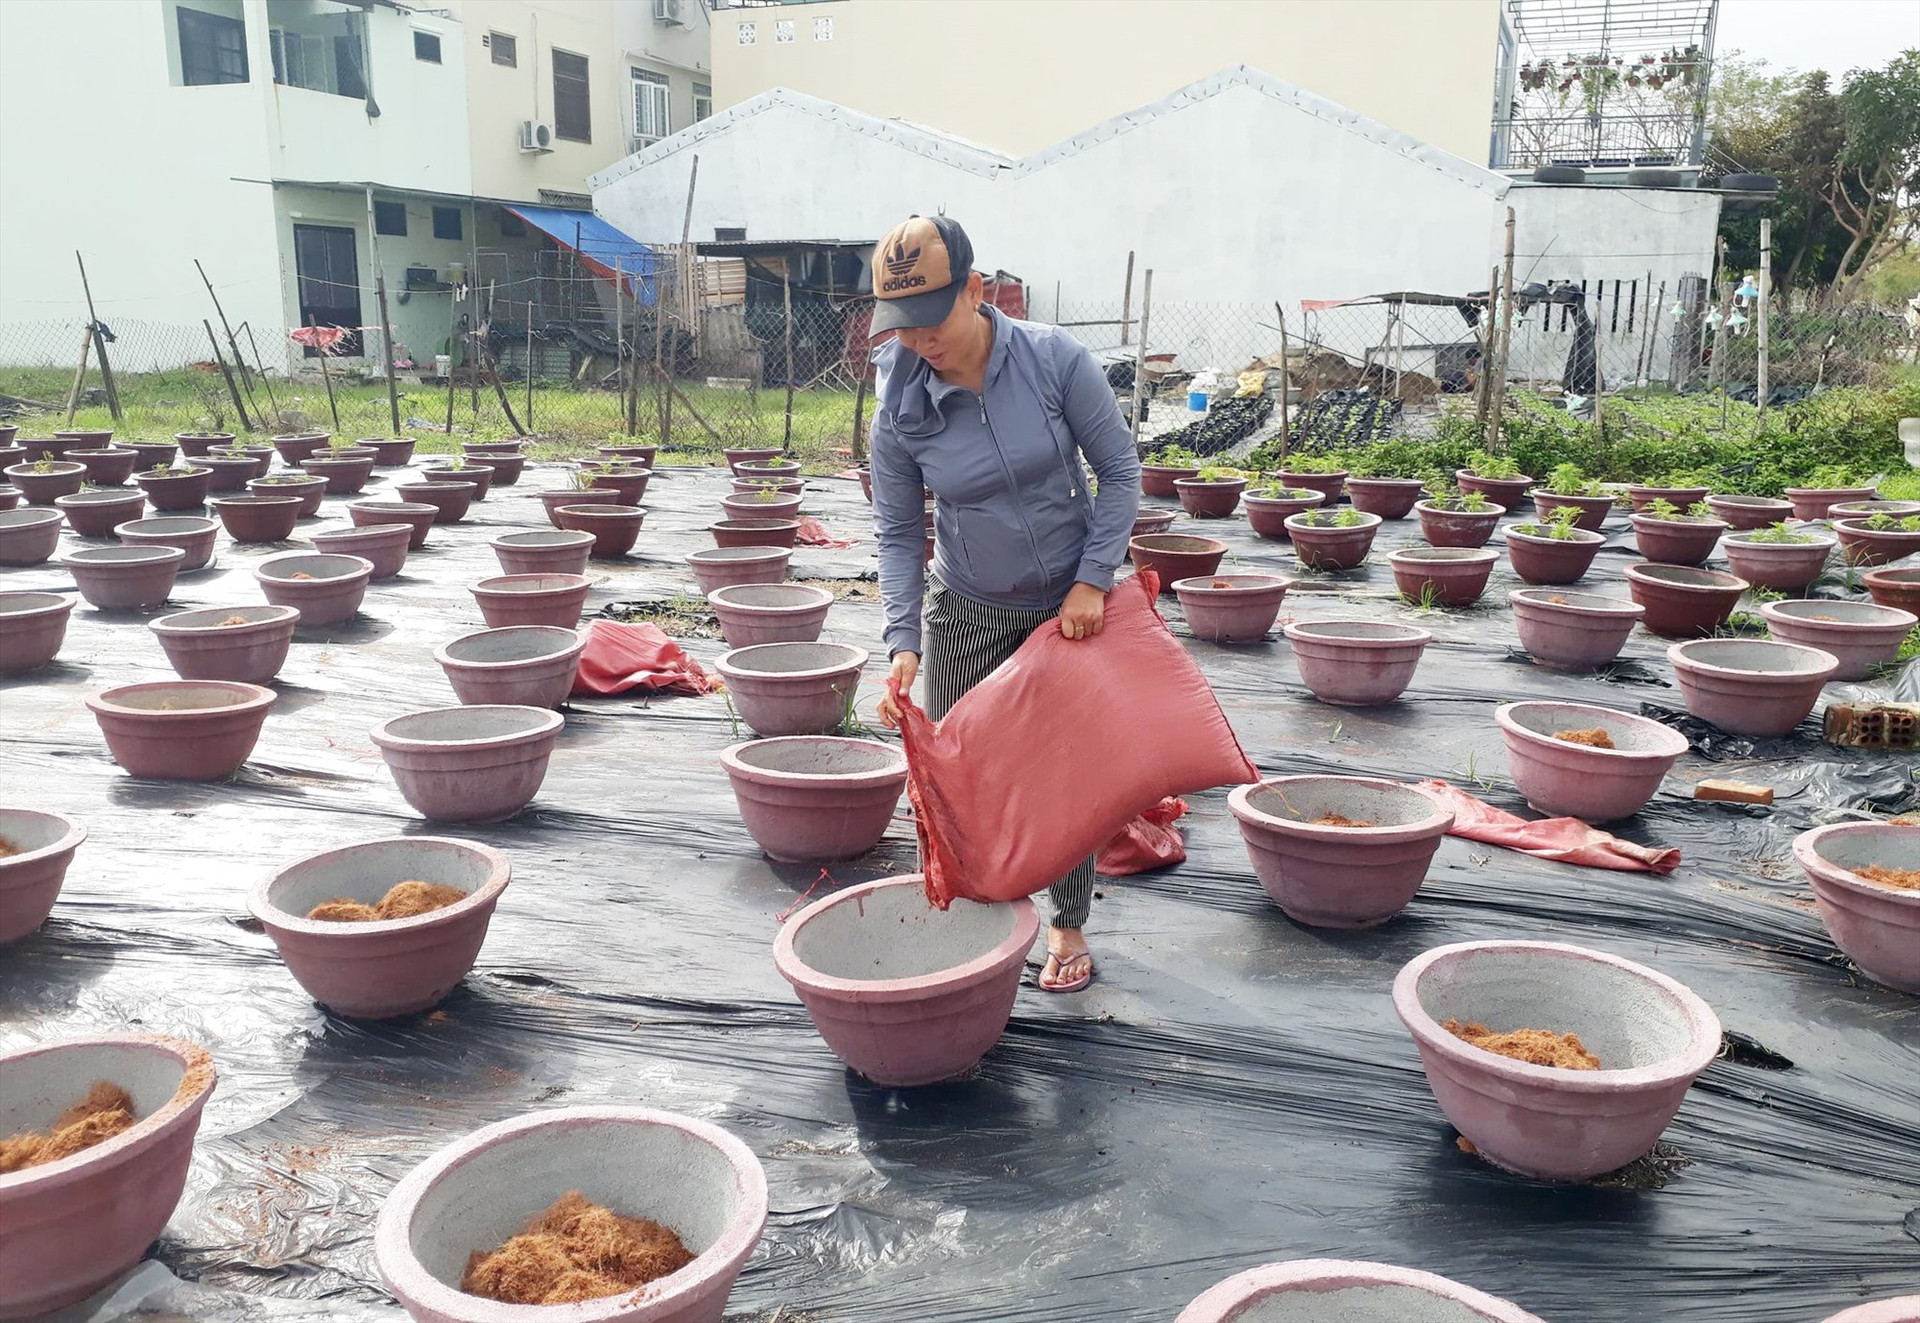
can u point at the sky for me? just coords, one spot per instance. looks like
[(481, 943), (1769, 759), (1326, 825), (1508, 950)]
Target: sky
[(1835, 35)]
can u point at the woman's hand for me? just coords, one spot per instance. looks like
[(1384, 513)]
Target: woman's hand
[(1084, 611), (906, 667)]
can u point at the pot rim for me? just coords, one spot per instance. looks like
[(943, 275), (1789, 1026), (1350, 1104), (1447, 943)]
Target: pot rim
[(1633, 487), (543, 723), (1543, 599), (1152, 542), (1223, 1299), (417, 509), (731, 555), (1342, 474), (1367, 523), (1481, 477), (1432, 506), (1436, 823), (468, 467), (287, 478), (1859, 526), (1675, 743), (1680, 657), (818, 596), (1890, 617), (1703, 1025), (1892, 574), (337, 459), (254, 500), (1444, 556), (142, 554), (206, 526), (1025, 927), (1657, 575), (172, 475), (561, 538), (855, 660), (60, 468), (447, 487), (1206, 585), (1639, 517), (52, 604), (1820, 869), (101, 496), (1581, 538), (1197, 481), (1307, 495), (361, 568), (360, 533), (171, 623), (736, 765), (256, 698), (69, 840), (753, 526), (1866, 493), (579, 583), (1538, 492), (30, 517), (574, 644), (499, 873), (1743, 538), (613, 513), (1747, 502), (1390, 482), (1310, 629)]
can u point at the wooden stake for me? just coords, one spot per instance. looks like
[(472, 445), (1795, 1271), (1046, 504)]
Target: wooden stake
[(326, 375), (529, 367), (386, 334), (786, 304), (1648, 311), (682, 279), (1286, 383), (80, 374), (453, 351), (233, 341), (1766, 282), (265, 382), (1140, 356), (100, 343), (1496, 434), (859, 410), (1126, 303), (226, 372), (1486, 332)]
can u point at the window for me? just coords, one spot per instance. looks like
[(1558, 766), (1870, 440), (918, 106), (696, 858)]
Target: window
[(511, 226), (505, 49), (823, 28), (426, 46), (348, 79), (213, 48), (783, 31), (702, 102), (390, 218), (446, 222), (572, 107), (729, 234), (651, 121), (744, 34), (301, 60), (327, 279)]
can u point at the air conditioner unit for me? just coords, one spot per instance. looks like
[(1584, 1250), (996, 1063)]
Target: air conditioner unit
[(667, 11), (536, 135)]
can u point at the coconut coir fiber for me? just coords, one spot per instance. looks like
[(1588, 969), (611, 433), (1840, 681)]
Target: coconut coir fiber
[(1594, 738), (103, 1113), (1907, 879), (1538, 1047), (575, 1251), (1341, 820), (7, 848), (403, 900)]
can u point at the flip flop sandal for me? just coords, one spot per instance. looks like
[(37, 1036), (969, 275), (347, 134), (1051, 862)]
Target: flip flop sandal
[(1073, 985)]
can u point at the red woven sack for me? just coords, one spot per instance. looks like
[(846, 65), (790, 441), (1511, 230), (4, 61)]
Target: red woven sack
[(620, 657), (1147, 842), (1044, 760)]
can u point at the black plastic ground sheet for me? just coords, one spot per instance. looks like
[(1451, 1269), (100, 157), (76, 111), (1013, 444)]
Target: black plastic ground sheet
[(1234, 1089)]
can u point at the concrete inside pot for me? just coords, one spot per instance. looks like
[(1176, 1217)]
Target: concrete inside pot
[(816, 797), (1876, 923), (42, 846), (1339, 1291)]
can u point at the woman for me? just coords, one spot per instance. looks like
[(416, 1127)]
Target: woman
[(993, 416)]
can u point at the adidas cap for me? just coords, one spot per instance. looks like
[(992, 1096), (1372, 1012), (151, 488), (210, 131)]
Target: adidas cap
[(919, 270)]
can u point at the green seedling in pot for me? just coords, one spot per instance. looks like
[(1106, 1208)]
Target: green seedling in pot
[(1779, 533), (1274, 491), (1215, 473), (1309, 464), (1174, 457), (1344, 518), (1882, 522), (160, 470), (1482, 465), (1559, 525), (1831, 475), (1568, 480)]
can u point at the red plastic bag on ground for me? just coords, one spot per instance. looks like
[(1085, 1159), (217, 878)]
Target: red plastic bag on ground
[(813, 533), (1059, 748), (620, 657), (1566, 840), (1150, 841)]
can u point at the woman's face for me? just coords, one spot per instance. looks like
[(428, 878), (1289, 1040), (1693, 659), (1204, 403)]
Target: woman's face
[(945, 344)]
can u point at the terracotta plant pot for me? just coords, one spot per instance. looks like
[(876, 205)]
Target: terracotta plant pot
[(1329, 485), (747, 486), (84, 436), (124, 578), (1743, 514), (493, 449), (1857, 635), (724, 567), (1901, 1309), (182, 730), (532, 599), (1814, 502), (152, 454), (1899, 589), (1563, 779), (1868, 509), (565, 496), (32, 628), (761, 505), (1751, 686), (792, 688), (326, 589), (44, 486), (1781, 567), (520, 666), (755, 532), (755, 613), (254, 519), (1390, 498), (1155, 479), (41, 846), (480, 475), (738, 455), (1676, 541), (474, 1194), (1356, 663), (469, 764), (122, 1191), (631, 486), (28, 537), (904, 993), (37, 448), (1862, 545), (1267, 515), (815, 798), (298, 446), (1507, 493), (1652, 1035), (547, 551), (1333, 1290), (108, 467), (1448, 576), (1331, 546), (247, 644), (176, 489), (1205, 498), (195, 444), (390, 452), (10, 496), (1442, 526), (1176, 556), (1148, 522), (193, 534), (615, 528), (1877, 926), (451, 499), (1682, 602), (382, 968), (310, 489), (98, 513), (344, 476), (1544, 559), (1330, 876), (642, 456), (767, 468), (418, 517), (1231, 608), (384, 546), (1572, 631), (229, 473), (1593, 509), (1680, 498)]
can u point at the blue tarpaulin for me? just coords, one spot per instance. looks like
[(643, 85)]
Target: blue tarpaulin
[(602, 248)]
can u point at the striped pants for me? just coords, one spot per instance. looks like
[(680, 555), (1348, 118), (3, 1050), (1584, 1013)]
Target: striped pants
[(963, 641)]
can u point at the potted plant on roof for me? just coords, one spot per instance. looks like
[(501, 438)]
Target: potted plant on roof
[(1781, 558), (1162, 468), (630, 480), (1878, 539), (1553, 551), (229, 472), (461, 468), (1669, 536), (1682, 601), (1442, 576), (1332, 539), (1495, 477), (1270, 504), (1465, 520), (346, 468), (1567, 485), (107, 466), (210, 428), (1572, 631), (1212, 493)]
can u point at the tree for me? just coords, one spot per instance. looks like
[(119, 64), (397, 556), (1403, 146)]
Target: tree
[(1873, 187)]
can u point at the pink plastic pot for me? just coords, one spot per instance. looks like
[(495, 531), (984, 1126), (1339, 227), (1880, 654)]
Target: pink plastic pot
[(253, 518), (1682, 602), (767, 468), (43, 487), (28, 537), (792, 688), (1152, 521), (1329, 876), (1857, 635), (97, 513), (298, 446), (1899, 589), (480, 475), (107, 467), (791, 487), (1901, 1309), (1209, 498), (1540, 558), (69, 1228), (506, 468), (1567, 631), (417, 516), (723, 567), (1356, 663), (384, 546), (1877, 926), (385, 967), (565, 496), (639, 455), (1676, 541), (761, 505), (519, 666), (202, 645), (770, 612), (1343, 1291), (631, 486), (1450, 576), (755, 532), (1680, 498), (230, 473), (1329, 485), (193, 534), (1593, 509), (195, 444), (615, 528), (176, 489), (1176, 556), (1868, 509), (532, 599), (1267, 515), (1157, 479), (476, 1193), (1743, 514), (149, 454), (902, 992), (32, 628), (815, 798), (469, 764), (1231, 608), (391, 452), (1652, 1035), (182, 730), (124, 578), (42, 846), (738, 455), (10, 497), (1814, 502), (1444, 526), (1751, 686), (311, 490), (1863, 545), (1507, 493), (546, 551), (1781, 567), (1390, 498), (344, 476), (330, 592), (1562, 779), (451, 499)]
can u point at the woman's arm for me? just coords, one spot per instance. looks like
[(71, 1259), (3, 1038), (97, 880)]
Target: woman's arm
[(1093, 416)]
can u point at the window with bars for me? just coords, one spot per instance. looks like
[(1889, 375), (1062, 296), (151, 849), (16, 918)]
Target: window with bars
[(213, 48), (572, 98), (702, 102), (651, 116)]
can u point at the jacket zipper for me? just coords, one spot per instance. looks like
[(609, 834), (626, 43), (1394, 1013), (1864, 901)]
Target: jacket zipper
[(1039, 562)]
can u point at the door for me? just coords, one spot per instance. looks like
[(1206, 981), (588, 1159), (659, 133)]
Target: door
[(327, 273)]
